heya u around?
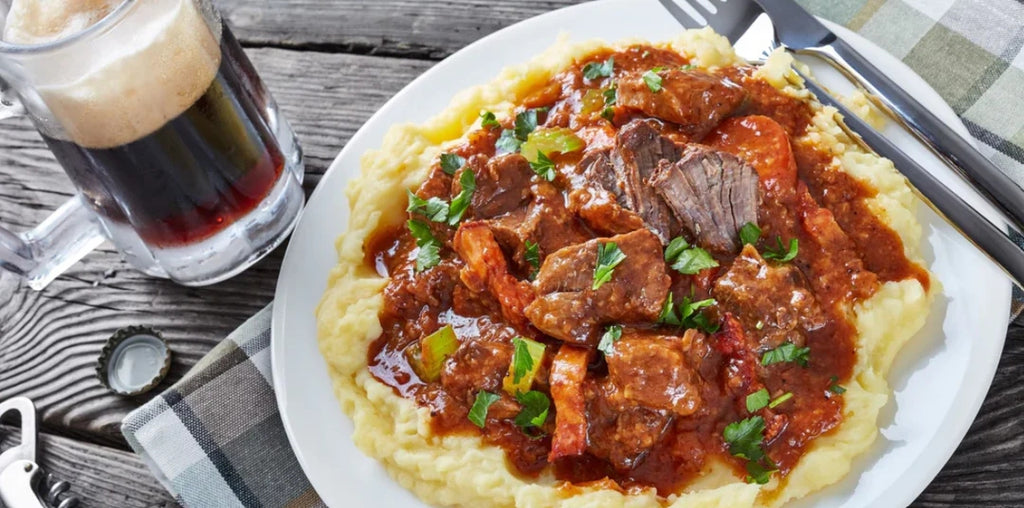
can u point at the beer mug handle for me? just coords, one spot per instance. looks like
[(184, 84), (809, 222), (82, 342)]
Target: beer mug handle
[(69, 233)]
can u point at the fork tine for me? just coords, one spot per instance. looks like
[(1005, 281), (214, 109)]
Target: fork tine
[(685, 14), (707, 5)]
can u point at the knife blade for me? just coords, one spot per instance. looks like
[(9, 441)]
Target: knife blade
[(799, 31), (985, 235)]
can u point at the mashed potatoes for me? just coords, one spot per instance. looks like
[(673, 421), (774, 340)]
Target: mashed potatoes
[(460, 470)]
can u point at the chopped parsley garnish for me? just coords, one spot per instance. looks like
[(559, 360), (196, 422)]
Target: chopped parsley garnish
[(757, 400), (787, 352), (532, 255), (430, 249), (610, 98), (535, 409), (782, 254), (835, 387), (687, 315), (461, 202), (750, 234), (435, 209), (487, 119), (652, 79), (450, 163), (611, 335), (687, 259), (594, 70), (780, 399), (522, 358), (608, 257), (544, 167), (478, 413), (744, 439), (687, 67), (526, 122), (507, 142)]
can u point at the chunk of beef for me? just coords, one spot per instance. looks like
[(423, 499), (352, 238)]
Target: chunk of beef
[(712, 193), (656, 371), (600, 202), (621, 435), (544, 221), (476, 365), (502, 185), (753, 289), (569, 309), (487, 270), (695, 99), (639, 147)]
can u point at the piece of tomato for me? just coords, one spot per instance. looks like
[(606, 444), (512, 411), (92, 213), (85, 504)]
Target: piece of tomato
[(762, 143)]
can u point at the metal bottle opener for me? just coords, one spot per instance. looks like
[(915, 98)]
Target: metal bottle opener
[(23, 484)]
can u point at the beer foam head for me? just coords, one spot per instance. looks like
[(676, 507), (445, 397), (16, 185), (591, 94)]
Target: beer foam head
[(131, 79), (39, 21)]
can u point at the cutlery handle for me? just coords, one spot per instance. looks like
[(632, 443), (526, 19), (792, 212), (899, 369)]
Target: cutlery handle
[(991, 239), (956, 151)]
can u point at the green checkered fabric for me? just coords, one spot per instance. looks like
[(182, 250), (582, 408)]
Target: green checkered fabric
[(968, 50)]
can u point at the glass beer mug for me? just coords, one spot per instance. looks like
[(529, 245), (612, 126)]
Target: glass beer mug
[(178, 153)]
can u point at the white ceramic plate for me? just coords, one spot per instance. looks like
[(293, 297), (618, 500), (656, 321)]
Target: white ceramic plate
[(940, 379)]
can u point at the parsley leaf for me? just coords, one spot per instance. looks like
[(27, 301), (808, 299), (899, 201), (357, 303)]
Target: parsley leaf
[(435, 209), (750, 233), (744, 438), (835, 387), (532, 256), (787, 352), (688, 314), (594, 70), (535, 409), (507, 142), (757, 400), (756, 473), (450, 163), (526, 122), (780, 399), (608, 257), (430, 249), (782, 254), (461, 202), (610, 96), (487, 119), (478, 413), (687, 259), (544, 167), (522, 360), (611, 335), (687, 67), (652, 79)]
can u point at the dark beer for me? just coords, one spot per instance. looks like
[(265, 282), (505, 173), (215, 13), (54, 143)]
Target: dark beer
[(195, 175)]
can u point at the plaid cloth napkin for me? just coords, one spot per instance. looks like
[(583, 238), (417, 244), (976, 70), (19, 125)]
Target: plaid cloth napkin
[(215, 438)]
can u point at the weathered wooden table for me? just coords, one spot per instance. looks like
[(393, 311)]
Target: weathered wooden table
[(330, 64)]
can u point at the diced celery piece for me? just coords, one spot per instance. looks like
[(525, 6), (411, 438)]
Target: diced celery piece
[(427, 356), (550, 140), (526, 359)]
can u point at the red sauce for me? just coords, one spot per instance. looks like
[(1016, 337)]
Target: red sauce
[(812, 202)]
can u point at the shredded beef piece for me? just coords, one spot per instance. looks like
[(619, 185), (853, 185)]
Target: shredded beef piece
[(696, 99)]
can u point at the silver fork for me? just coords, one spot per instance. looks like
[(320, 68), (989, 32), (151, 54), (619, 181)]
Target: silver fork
[(754, 36)]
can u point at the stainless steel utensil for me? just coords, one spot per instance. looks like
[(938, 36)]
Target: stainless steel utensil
[(753, 33), (23, 484)]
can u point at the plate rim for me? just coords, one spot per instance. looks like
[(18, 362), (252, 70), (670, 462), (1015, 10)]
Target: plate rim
[(957, 425)]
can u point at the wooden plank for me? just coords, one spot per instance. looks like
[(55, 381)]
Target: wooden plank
[(50, 339), (409, 28), (99, 476)]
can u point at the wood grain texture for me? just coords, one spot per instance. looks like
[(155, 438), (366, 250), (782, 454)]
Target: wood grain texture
[(50, 339), (409, 28), (99, 476)]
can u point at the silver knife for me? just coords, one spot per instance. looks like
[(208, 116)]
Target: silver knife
[(801, 32)]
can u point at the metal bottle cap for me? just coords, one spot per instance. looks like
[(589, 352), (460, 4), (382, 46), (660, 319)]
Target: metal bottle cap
[(134, 360)]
